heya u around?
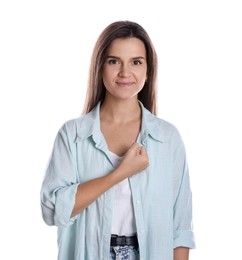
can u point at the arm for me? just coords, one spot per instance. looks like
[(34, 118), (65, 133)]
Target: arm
[(181, 253), (182, 195), (60, 182), (135, 160), (61, 194)]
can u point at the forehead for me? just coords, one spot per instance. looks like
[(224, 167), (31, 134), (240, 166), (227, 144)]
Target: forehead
[(131, 45)]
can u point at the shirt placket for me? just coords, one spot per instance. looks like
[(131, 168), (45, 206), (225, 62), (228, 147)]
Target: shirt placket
[(137, 202)]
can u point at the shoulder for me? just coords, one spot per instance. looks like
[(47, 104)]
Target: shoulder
[(161, 129), (74, 123), (71, 127), (82, 127), (170, 136), (169, 129)]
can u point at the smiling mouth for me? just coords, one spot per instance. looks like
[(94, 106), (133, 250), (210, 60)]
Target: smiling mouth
[(124, 84)]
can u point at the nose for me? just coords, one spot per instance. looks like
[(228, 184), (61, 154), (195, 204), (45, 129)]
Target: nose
[(124, 70)]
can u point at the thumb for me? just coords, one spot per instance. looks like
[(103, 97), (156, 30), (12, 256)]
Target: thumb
[(141, 150)]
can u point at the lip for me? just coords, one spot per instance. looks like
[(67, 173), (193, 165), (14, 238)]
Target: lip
[(124, 84)]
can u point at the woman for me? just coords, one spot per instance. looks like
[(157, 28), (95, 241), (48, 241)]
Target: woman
[(117, 184)]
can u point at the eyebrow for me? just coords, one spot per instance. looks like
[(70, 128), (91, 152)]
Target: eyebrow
[(134, 58)]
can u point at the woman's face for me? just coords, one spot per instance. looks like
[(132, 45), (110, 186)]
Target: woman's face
[(125, 68)]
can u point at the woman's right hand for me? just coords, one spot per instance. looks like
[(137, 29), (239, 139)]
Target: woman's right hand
[(135, 160)]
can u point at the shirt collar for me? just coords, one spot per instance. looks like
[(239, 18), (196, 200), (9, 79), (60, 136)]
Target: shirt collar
[(151, 126), (89, 125)]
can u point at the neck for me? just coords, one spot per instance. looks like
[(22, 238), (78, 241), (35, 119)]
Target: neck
[(121, 111)]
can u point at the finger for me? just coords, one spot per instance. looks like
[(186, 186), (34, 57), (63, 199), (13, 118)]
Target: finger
[(134, 147), (138, 150), (142, 150)]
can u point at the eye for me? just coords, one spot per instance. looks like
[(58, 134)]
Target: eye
[(112, 61), (137, 62)]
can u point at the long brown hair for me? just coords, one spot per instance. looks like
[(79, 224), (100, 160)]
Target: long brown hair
[(96, 89)]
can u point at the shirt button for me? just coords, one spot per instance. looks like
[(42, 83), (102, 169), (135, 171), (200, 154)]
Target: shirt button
[(137, 201)]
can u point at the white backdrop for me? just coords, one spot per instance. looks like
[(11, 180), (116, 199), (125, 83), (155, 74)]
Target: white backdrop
[(45, 48)]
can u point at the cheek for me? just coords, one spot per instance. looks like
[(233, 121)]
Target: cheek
[(107, 81), (105, 78), (143, 76), (143, 73), (108, 74)]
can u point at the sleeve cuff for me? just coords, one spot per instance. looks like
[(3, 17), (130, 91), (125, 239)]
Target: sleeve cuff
[(183, 238), (64, 205)]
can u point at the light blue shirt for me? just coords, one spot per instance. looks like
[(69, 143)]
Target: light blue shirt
[(161, 193)]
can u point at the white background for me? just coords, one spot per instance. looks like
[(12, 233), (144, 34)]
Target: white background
[(45, 48)]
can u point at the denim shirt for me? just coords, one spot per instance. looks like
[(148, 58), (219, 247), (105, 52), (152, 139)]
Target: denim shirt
[(161, 193)]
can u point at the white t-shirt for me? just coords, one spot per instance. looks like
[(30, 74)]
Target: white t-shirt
[(123, 221)]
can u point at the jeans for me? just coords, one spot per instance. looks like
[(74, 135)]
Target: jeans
[(124, 253)]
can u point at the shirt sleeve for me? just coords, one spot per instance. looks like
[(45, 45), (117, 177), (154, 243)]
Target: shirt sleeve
[(183, 235), (60, 183)]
